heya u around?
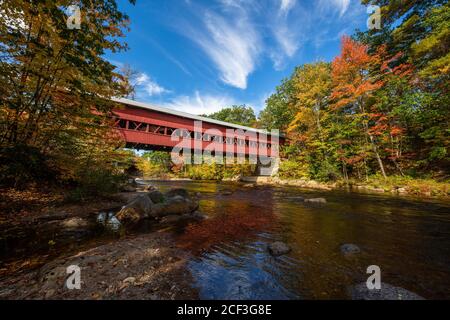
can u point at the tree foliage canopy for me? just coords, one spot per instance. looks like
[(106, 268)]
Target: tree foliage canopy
[(55, 83), (381, 106), (242, 115)]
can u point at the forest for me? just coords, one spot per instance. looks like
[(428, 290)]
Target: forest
[(379, 111)]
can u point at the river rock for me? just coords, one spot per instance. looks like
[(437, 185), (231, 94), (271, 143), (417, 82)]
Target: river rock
[(171, 219), (316, 200), (177, 205), (236, 178), (197, 215), (177, 192), (75, 223), (156, 196), (350, 249), (136, 210), (402, 190), (128, 188), (297, 198), (149, 187), (387, 292), (129, 280), (278, 248)]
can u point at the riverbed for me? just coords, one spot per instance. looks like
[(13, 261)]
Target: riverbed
[(227, 256), (409, 239)]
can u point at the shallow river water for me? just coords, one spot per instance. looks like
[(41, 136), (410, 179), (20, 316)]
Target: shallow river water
[(409, 239)]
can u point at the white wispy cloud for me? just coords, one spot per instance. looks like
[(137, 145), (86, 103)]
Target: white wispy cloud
[(227, 35), (285, 33), (233, 46), (199, 103), (340, 6), (286, 5), (145, 85), (343, 5)]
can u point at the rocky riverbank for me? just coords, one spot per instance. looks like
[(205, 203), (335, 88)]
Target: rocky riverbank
[(125, 264), (422, 190), (147, 267)]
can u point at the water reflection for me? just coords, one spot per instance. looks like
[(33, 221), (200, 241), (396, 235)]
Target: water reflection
[(109, 221), (408, 238)]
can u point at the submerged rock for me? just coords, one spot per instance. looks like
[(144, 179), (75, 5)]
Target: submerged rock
[(177, 192), (182, 219), (387, 292), (156, 196), (197, 215), (278, 248), (350, 249), (171, 219), (316, 200), (297, 198)]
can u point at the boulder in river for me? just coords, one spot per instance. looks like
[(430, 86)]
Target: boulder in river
[(136, 210), (156, 196), (156, 205), (177, 205), (71, 228), (350, 249), (387, 292), (278, 248)]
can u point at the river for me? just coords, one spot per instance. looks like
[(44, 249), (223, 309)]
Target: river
[(408, 238)]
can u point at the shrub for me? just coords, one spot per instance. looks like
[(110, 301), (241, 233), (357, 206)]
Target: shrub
[(154, 164), (294, 168), (21, 164)]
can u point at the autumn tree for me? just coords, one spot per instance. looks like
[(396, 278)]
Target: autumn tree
[(353, 87), (53, 77), (310, 126), (419, 32)]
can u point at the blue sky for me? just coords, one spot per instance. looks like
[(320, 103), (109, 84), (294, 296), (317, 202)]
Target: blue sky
[(198, 56)]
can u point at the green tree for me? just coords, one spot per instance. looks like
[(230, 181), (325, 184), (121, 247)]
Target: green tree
[(242, 115), (278, 113)]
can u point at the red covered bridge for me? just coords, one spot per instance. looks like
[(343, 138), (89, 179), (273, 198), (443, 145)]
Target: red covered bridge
[(145, 126)]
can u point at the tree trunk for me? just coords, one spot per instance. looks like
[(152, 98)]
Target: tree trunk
[(380, 162)]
